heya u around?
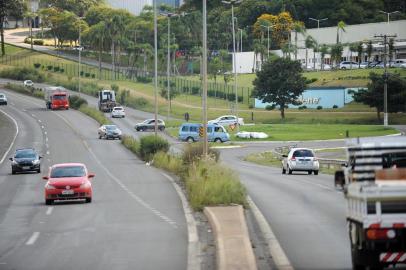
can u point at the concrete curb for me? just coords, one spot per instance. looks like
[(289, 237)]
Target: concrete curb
[(234, 249), (278, 255), (193, 261)]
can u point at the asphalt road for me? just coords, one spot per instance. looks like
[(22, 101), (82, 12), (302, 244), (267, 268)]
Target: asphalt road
[(135, 221)]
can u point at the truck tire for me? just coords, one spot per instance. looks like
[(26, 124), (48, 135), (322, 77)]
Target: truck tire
[(316, 172)]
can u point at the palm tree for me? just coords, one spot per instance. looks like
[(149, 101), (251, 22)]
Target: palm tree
[(324, 49), (340, 26), (353, 48), (298, 27), (316, 49), (309, 43), (336, 53), (360, 50), (98, 34), (369, 50), (391, 48), (258, 49)]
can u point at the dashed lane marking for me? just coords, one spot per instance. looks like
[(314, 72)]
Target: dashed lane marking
[(14, 139), (49, 210), (32, 239)]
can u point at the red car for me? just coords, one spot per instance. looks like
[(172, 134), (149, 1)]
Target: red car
[(68, 181)]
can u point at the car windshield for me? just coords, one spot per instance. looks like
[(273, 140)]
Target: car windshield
[(303, 153), (68, 171), (1, 96), (118, 109), (25, 154), (59, 97), (111, 127)]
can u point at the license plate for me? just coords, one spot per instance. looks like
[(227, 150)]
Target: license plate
[(67, 192), (26, 167)]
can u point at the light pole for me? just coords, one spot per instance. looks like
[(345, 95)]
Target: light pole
[(389, 13), (232, 3), (155, 69), (268, 27), (80, 55), (239, 29), (204, 79), (318, 21)]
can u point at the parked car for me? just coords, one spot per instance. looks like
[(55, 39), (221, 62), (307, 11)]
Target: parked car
[(227, 120), (373, 64), (77, 48), (363, 65), (28, 83), (109, 132), (118, 112), (149, 124), (3, 99), (300, 159), (348, 65), (326, 67), (68, 181), (399, 63), (215, 133), (25, 160)]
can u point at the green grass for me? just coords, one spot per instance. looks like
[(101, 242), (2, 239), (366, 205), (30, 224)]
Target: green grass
[(13, 50), (95, 114)]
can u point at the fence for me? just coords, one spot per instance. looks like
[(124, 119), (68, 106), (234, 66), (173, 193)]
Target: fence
[(181, 85)]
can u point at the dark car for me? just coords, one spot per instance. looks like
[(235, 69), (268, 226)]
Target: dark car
[(149, 124), (109, 132), (25, 160)]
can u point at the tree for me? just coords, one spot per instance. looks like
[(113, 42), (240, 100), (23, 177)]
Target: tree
[(369, 50), (360, 50), (324, 49), (280, 82), (336, 52), (373, 96), (76, 6), (340, 28), (9, 8), (298, 27), (309, 44), (282, 26), (353, 48), (96, 36), (391, 48)]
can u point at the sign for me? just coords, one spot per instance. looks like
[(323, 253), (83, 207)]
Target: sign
[(201, 131)]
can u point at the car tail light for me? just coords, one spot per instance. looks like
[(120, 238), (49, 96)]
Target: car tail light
[(292, 158), (376, 234)]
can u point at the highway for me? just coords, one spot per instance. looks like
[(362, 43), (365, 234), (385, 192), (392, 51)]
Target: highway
[(136, 219)]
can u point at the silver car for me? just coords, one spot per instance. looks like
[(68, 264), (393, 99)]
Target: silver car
[(3, 99), (300, 159)]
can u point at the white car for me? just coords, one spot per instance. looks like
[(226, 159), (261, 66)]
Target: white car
[(227, 120), (349, 65), (300, 159), (28, 83), (118, 112), (399, 63), (3, 99)]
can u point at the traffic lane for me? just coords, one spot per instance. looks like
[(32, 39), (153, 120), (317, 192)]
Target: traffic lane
[(308, 219), (7, 133), (149, 231)]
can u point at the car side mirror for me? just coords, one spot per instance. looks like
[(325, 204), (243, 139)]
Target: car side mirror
[(45, 177), (339, 179), (91, 175), (11, 159)]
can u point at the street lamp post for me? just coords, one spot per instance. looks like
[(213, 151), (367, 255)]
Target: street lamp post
[(318, 21), (232, 3), (80, 54), (389, 13), (155, 68), (204, 79), (268, 27), (239, 29)]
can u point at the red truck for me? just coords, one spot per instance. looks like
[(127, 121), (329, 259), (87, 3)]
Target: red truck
[(56, 98)]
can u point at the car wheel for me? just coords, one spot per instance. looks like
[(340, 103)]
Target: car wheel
[(100, 136), (39, 170), (89, 200), (48, 201), (316, 172), (218, 140), (283, 170), (190, 140), (290, 170), (309, 172), (13, 172), (162, 128)]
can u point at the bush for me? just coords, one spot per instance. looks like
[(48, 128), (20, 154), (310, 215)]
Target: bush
[(192, 153), (93, 76), (115, 87), (302, 107), (195, 90), (137, 103), (76, 102), (143, 79), (61, 70), (49, 67), (131, 143), (335, 107), (95, 114), (150, 145), (38, 42), (22, 73), (250, 106), (81, 73), (56, 69), (87, 75), (319, 107), (270, 107), (23, 90), (37, 65)]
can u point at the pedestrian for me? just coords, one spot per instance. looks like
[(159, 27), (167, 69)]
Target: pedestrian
[(187, 116)]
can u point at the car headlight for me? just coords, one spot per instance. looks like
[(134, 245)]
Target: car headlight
[(85, 185), (49, 186), (35, 162)]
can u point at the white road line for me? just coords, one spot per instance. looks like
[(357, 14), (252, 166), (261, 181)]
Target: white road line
[(39, 120), (49, 210), (46, 139), (49, 160), (14, 139), (45, 133), (48, 153), (32, 239), (42, 127)]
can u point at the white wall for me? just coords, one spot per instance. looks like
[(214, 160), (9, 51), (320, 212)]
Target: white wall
[(245, 62)]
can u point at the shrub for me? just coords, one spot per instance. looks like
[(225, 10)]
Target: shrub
[(335, 107), (144, 79), (76, 102), (115, 87), (61, 70), (302, 107), (38, 42), (270, 107), (195, 90), (22, 73), (150, 145), (319, 107), (93, 76), (250, 106), (82, 72), (131, 143), (87, 75), (56, 69), (23, 90), (192, 153), (137, 103), (95, 114), (37, 65), (49, 67)]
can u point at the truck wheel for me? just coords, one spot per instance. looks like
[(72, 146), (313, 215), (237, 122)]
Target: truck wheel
[(309, 172), (316, 172)]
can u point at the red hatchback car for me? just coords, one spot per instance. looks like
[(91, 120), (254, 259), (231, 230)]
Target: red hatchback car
[(68, 181)]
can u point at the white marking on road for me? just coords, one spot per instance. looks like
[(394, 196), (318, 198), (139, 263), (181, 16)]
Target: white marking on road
[(42, 127), (49, 210), (46, 139), (33, 115), (3, 263), (39, 120), (48, 153), (32, 239), (45, 133), (49, 160), (14, 139)]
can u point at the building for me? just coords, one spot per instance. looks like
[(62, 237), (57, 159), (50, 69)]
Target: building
[(135, 6)]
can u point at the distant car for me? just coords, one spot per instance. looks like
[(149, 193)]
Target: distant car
[(28, 83), (326, 67), (149, 124), (381, 65), (3, 99), (109, 132), (25, 160), (399, 63), (373, 64), (348, 65), (68, 181), (189, 132), (227, 120), (77, 48), (118, 112), (363, 65), (300, 159)]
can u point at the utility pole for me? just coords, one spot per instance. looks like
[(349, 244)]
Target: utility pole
[(385, 77), (80, 56), (155, 68), (204, 78)]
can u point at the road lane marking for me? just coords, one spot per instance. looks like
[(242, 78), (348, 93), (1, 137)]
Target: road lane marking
[(14, 139), (42, 127), (49, 210), (32, 239), (39, 121), (48, 153)]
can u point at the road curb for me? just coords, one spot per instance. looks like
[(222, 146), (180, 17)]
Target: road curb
[(278, 255), (193, 261)]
